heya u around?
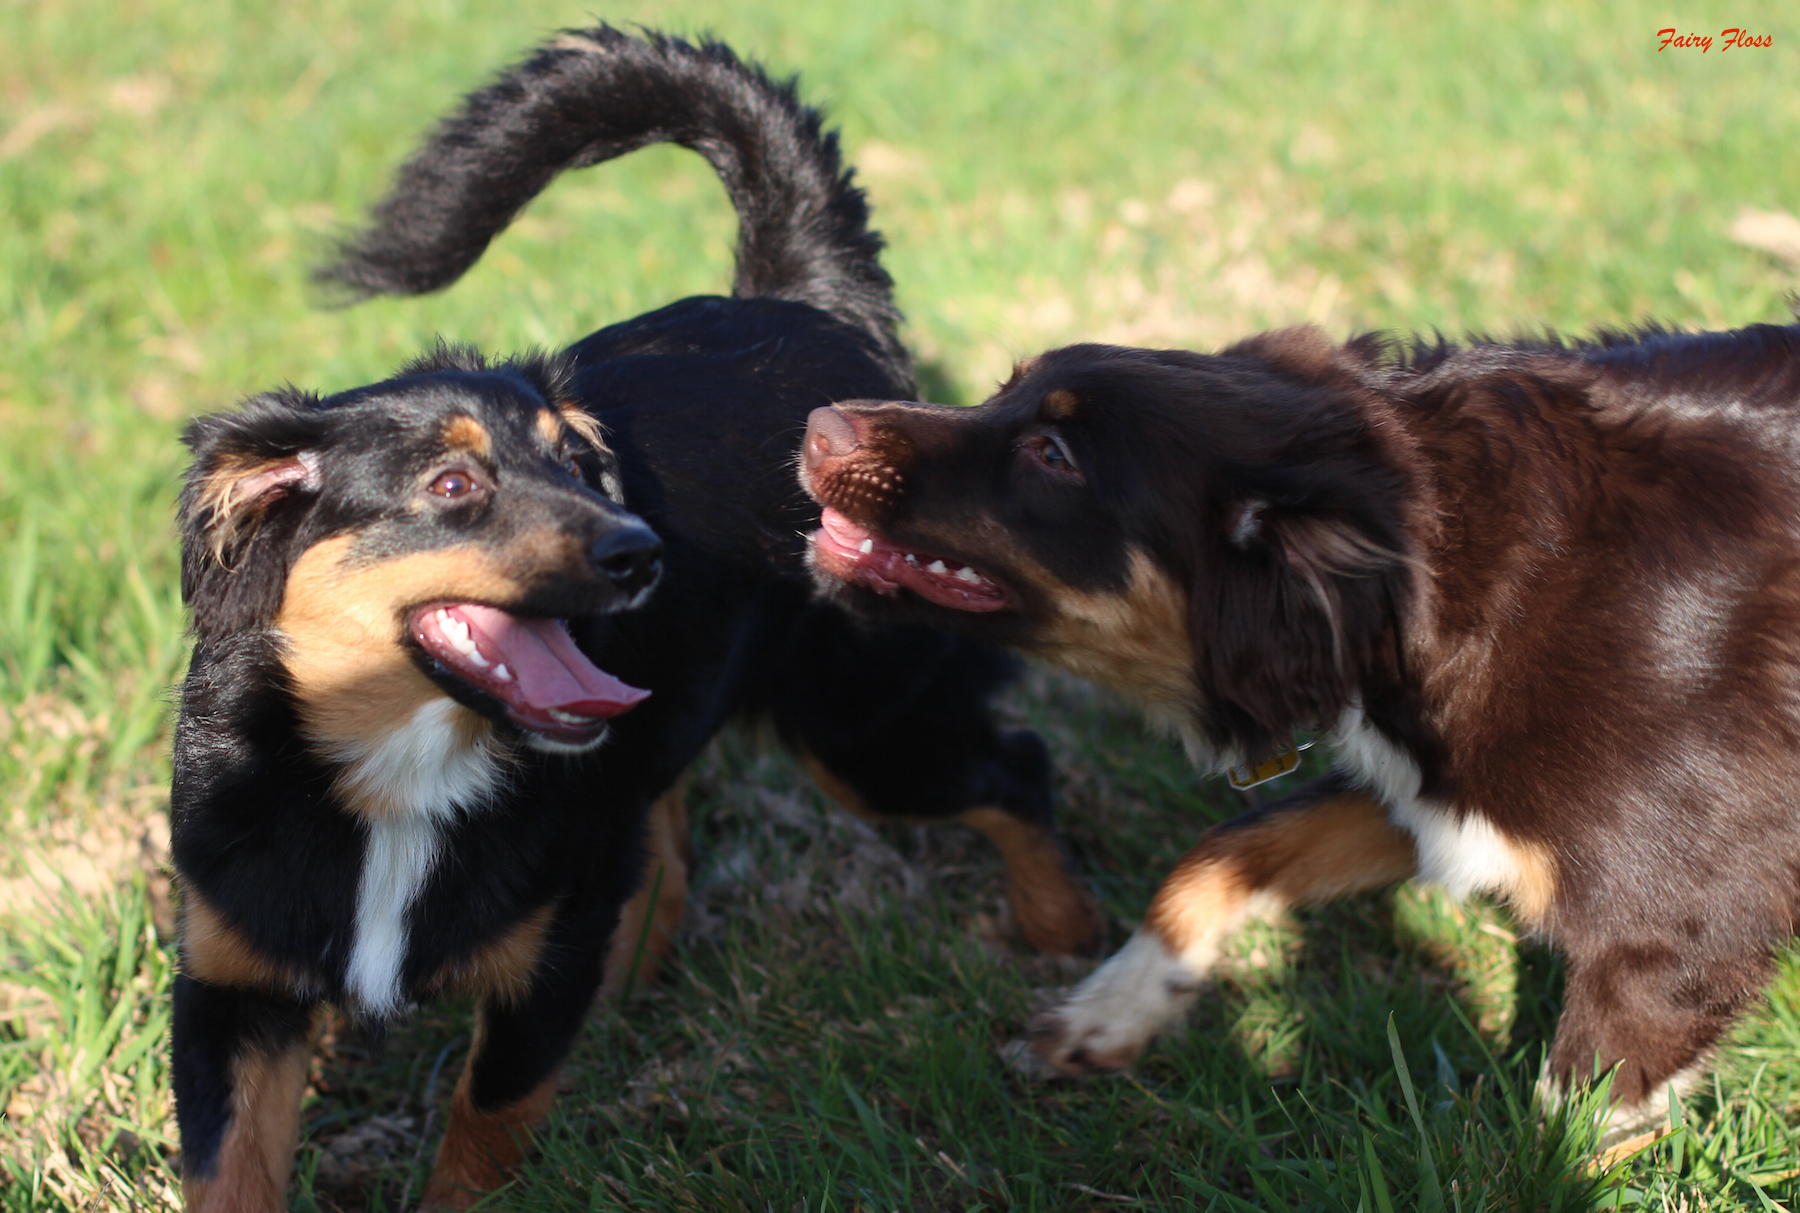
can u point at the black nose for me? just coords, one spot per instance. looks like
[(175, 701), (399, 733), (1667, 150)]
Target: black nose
[(630, 556)]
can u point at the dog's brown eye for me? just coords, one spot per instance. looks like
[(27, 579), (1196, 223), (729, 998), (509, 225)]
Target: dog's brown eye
[(575, 467), (454, 485), (1050, 451)]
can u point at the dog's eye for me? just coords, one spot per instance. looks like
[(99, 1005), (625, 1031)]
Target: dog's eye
[(575, 468), (454, 484), (1048, 449)]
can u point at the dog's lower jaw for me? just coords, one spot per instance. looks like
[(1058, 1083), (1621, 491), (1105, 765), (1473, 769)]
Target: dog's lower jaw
[(550, 745)]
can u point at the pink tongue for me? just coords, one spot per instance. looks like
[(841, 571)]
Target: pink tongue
[(841, 528), (548, 670)]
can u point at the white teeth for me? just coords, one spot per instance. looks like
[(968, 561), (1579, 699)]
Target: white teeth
[(457, 633), (912, 560), (936, 566), (502, 673), (969, 575), (866, 546), (569, 717)]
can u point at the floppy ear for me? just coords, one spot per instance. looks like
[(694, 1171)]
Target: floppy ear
[(1294, 609), (254, 472)]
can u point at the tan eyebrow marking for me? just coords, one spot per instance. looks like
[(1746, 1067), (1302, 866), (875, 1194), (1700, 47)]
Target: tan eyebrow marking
[(464, 433)]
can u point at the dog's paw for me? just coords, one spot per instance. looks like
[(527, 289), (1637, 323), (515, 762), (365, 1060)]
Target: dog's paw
[(1018, 1056), (1113, 1016), (1081, 1050)]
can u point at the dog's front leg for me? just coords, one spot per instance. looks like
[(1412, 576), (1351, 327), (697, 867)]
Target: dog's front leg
[(1323, 842), (510, 1080), (239, 1073), (650, 921)]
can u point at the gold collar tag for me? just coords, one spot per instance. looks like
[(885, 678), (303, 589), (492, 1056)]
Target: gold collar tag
[(1282, 759)]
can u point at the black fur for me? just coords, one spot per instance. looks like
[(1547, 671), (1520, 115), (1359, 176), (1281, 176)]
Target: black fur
[(703, 403)]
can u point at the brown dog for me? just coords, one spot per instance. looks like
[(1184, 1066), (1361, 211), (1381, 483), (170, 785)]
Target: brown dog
[(1543, 600)]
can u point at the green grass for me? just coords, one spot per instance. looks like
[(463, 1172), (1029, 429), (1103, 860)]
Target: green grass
[(1134, 170)]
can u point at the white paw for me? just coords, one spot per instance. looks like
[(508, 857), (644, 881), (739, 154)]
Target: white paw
[(1113, 1015)]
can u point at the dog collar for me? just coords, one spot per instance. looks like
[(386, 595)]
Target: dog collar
[(1278, 761)]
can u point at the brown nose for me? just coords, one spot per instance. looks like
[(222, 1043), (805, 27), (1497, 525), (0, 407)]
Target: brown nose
[(828, 433)]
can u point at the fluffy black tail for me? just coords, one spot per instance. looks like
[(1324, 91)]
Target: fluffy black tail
[(594, 94)]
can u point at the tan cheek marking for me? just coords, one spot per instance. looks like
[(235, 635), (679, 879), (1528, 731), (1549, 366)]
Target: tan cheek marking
[(1060, 404), (482, 1148), (464, 433), (1055, 911), (501, 969), (671, 858), (1330, 849), (257, 1154), (1136, 642), (343, 625), (217, 953)]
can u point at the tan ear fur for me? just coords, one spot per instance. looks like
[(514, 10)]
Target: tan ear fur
[(238, 487)]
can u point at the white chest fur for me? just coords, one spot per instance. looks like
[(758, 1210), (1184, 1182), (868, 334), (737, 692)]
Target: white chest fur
[(407, 785), (1462, 852)]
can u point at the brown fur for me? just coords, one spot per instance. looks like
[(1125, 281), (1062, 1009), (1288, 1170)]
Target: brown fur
[(1135, 641), (1054, 910), (343, 625), (216, 952), (1545, 597), (257, 1154), (467, 434), (220, 499), (481, 1149), (1311, 854), (499, 970)]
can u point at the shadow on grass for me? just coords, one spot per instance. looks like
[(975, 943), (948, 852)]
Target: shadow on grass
[(831, 1035)]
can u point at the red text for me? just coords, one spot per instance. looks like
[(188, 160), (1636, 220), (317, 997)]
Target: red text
[(1741, 37), (1727, 39)]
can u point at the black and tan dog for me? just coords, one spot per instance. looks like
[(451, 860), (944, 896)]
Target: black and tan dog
[(1542, 599), (404, 763)]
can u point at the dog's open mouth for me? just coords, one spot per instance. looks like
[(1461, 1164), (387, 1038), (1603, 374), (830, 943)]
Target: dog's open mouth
[(861, 557), (532, 666)]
